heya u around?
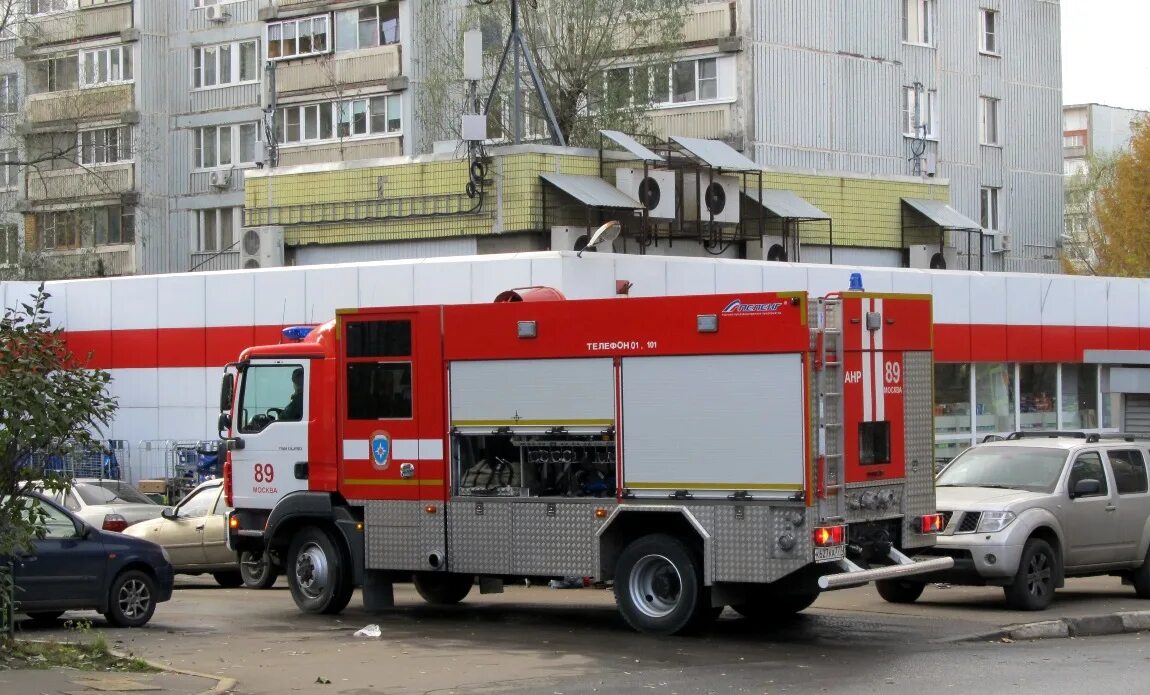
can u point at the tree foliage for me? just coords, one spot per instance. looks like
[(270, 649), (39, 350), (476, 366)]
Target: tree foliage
[(1116, 239), (600, 62), (50, 403)]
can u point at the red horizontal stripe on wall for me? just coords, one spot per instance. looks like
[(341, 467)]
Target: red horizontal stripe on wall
[(1121, 338), (987, 343), (951, 342), (1058, 344)]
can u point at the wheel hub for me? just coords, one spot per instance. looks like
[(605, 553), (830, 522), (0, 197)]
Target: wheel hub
[(311, 570), (134, 598), (655, 587)]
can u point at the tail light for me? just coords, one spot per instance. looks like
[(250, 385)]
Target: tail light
[(114, 522), (824, 536), (931, 523), (228, 479)]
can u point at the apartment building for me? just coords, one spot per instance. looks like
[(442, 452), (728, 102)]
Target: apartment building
[(11, 188)]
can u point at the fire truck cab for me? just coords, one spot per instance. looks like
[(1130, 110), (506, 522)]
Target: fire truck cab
[(695, 451)]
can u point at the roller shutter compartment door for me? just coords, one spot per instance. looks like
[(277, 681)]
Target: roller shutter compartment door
[(1137, 413)]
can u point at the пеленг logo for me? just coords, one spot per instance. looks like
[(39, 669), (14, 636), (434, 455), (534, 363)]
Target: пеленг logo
[(737, 306)]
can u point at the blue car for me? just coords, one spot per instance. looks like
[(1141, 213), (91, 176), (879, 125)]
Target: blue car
[(79, 567)]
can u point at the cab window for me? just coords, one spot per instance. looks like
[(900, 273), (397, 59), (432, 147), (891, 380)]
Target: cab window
[(1129, 468), (1088, 466), (271, 393)]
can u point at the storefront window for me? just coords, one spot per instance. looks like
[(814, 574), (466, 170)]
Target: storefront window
[(1109, 401), (1079, 396), (1038, 395), (993, 398), (952, 399)]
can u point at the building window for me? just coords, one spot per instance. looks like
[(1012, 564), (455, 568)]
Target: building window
[(919, 112), (1038, 393), (367, 27), (918, 22), (1079, 396), (683, 82), (988, 123), (1074, 140), (988, 31), (217, 229), (993, 398), (9, 170), (105, 146), (50, 6), (294, 38), (988, 208), (9, 93), (9, 244), (224, 146), (105, 66), (380, 115), (228, 63), (73, 229), (54, 74)]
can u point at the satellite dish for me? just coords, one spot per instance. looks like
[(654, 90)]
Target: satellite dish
[(776, 253), (605, 234), (938, 262)]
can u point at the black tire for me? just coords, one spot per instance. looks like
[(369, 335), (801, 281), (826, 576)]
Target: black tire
[(257, 571), (899, 590), (1141, 578), (1033, 585), (775, 608), (228, 580), (319, 572), (44, 616), (659, 586), (442, 589), (132, 599)]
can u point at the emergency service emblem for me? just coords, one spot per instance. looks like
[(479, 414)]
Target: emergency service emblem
[(381, 449)]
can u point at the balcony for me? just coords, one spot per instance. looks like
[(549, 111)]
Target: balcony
[(212, 260), (94, 18), (710, 121), (295, 8), (102, 261), (324, 73), (79, 183), (347, 151), (77, 104), (708, 22)]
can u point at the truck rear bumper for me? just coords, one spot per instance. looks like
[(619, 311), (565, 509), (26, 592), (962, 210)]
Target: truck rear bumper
[(853, 575)]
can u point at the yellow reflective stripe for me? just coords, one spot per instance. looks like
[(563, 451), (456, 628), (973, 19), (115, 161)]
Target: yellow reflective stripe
[(713, 486), (401, 482)]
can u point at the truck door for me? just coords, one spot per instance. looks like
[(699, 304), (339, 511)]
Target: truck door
[(271, 417), (389, 384)]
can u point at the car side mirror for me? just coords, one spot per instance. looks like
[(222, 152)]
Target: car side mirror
[(168, 513), (1085, 488)]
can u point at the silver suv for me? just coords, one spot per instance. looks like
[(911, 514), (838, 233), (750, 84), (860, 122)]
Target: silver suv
[(1029, 511)]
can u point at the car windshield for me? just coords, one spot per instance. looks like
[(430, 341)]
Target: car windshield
[(1013, 467), (110, 492)]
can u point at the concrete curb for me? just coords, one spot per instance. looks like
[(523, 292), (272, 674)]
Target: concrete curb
[(223, 684), (1086, 626)]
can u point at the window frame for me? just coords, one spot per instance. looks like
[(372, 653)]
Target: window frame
[(989, 116), (218, 214), (378, 24), (68, 6), (123, 146), (296, 22), (9, 93), (9, 244), (926, 12), (9, 171), (235, 147), (989, 208), (297, 120), (235, 64), (79, 226), (124, 51), (991, 47)]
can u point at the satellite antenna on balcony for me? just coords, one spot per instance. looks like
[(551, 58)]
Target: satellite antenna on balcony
[(516, 43)]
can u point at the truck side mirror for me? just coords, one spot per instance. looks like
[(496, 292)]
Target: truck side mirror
[(224, 424), (227, 391)]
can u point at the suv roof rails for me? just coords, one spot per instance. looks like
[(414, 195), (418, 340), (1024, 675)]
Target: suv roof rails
[(1048, 434), (1090, 437)]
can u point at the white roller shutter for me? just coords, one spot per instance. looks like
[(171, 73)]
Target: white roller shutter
[(1136, 415)]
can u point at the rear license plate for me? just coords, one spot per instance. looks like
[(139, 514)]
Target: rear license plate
[(834, 552)]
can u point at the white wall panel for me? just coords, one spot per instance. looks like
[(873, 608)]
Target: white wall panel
[(489, 277), (387, 284), (988, 299), (784, 277), (181, 300), (732, 277), (1023, 296), (135, 388), (134, 303), (910, 282), (685, 277), (230, 298), (185, 387), (136, 424), (952, 297), (592, 276), (183, 423), (89, 305), (329, 289), (443, 282), (1089, 302), (278, 297), (1122, 302), (647, 279), (1057, 303), (547, 272), (822, 280)]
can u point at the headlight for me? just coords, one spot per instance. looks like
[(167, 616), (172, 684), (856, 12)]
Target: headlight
[(994, 521)]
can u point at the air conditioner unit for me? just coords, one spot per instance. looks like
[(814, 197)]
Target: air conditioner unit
[(216, 13), (928, 256), (1001, 242), (262, 247), (656, 190), (704, 195), (574, 239), (773, 248), (220, 179)]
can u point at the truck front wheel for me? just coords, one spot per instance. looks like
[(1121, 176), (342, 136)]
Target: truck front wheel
[(319, 573), (659, 586)]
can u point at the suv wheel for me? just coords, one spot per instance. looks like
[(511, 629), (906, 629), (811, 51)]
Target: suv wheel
[(899, 590), (1033, 586), (1141, 578)]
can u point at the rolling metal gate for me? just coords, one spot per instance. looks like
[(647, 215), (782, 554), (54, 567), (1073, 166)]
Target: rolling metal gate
[(1136, 413)]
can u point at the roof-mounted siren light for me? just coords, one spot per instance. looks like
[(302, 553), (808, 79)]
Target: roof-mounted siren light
[(605, 234), (856, 283)]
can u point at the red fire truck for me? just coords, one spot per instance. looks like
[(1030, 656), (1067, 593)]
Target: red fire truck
[(695, 451)]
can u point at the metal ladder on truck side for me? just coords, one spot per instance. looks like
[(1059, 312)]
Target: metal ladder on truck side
[(830, 472)]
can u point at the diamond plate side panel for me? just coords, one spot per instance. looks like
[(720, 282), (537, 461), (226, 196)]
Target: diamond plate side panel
[(392, 535), (742, 539), (554, 538), (479, 536), (705, 517), (918, 399)]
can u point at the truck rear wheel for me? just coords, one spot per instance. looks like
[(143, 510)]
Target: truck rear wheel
[(779, 607), (443, 589), (319, 573), (899, 590), (257, 570), (659, 586)]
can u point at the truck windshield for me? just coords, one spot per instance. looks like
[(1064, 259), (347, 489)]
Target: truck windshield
[(1018, 468)]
